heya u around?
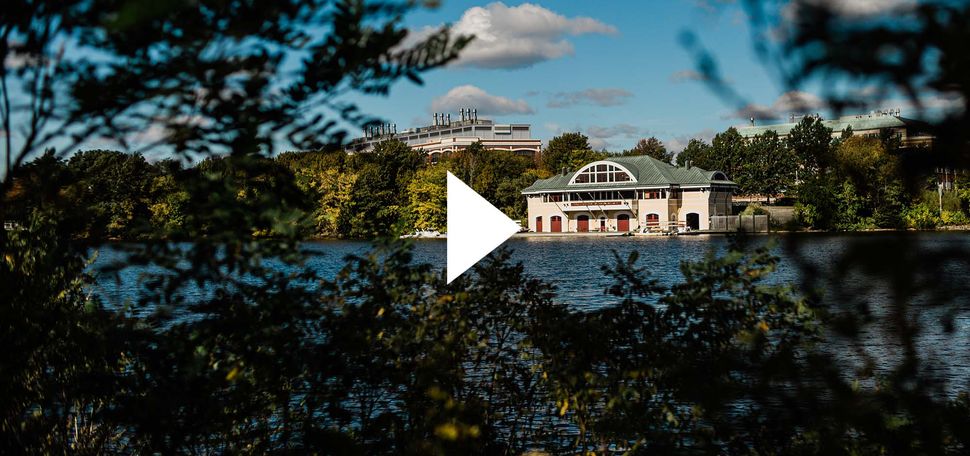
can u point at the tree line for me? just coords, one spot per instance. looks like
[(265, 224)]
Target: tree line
[(850, 182), (392, 190)]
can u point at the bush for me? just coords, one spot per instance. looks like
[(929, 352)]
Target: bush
[(954, 218), (921, 216)]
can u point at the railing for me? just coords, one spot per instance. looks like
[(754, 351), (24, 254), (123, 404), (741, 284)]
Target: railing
[(746, 223)]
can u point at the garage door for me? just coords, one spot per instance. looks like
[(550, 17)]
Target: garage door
[(623, 223), (556, 222), (582, 223)]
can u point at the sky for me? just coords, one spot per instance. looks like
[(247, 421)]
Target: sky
[(616, 71)]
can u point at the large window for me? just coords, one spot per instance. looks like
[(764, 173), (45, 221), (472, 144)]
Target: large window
[(601, 173)]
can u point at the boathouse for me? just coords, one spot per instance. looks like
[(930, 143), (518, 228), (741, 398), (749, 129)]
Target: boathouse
[(624, 194)]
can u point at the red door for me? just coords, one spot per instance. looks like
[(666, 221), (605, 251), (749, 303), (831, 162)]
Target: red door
[(623, 223), (582, 224), (556, 223), (538, 224)]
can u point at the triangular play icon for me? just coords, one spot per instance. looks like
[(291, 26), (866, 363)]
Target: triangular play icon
[(475, 227)]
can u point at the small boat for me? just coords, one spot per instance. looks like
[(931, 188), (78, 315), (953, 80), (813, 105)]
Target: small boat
[(423, 234)]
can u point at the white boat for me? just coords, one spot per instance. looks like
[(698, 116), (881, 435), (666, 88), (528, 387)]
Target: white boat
[(424, 234)]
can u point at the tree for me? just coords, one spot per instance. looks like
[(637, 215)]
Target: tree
[(329, 180), (427, 193), (696, 151), (727, 153), (811, 144), (195, 79), (557, 153), (652, 147), (770, 167), (379, 196), (114, 186), (497, 175)]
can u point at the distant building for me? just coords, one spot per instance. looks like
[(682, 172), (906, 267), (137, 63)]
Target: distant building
[(911, 132), (445, 136), (628, 194)]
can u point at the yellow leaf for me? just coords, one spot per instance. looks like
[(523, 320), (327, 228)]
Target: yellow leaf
[(232, 374), (447, 431), (564, 408), (380, 312), (762, 326)]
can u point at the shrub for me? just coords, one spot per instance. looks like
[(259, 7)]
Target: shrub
[(921, 216), (954, 218)]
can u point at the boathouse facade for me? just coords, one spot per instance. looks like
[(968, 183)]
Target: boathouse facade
[(624, 194)]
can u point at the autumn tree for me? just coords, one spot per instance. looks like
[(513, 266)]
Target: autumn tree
[(427, 199)]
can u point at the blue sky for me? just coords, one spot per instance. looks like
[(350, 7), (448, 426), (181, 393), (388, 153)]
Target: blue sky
[(613, 70)]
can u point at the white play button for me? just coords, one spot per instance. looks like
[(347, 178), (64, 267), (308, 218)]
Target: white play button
[(475, 227)]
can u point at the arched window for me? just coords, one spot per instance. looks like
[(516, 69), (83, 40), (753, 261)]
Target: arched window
[(719, 176), (602, 172)]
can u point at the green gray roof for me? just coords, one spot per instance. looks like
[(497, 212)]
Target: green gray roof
[(858, 123), (647, 172)]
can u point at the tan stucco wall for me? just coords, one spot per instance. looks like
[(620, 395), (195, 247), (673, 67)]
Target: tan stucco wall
[(704, 203)]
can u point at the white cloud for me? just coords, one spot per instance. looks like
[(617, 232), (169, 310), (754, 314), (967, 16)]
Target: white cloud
[(794, 102), (619, 130), (599, 144), (688, 76), (677, 143), (598, 97), (162, 129), (517, 36), (469, 96)]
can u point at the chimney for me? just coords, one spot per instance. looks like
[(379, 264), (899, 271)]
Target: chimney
[(564, 170), (462, 112), (449, 119), (475, 113), (394, 128), (435, 119)]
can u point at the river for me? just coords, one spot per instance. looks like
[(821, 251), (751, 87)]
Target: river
[(937, 262)]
